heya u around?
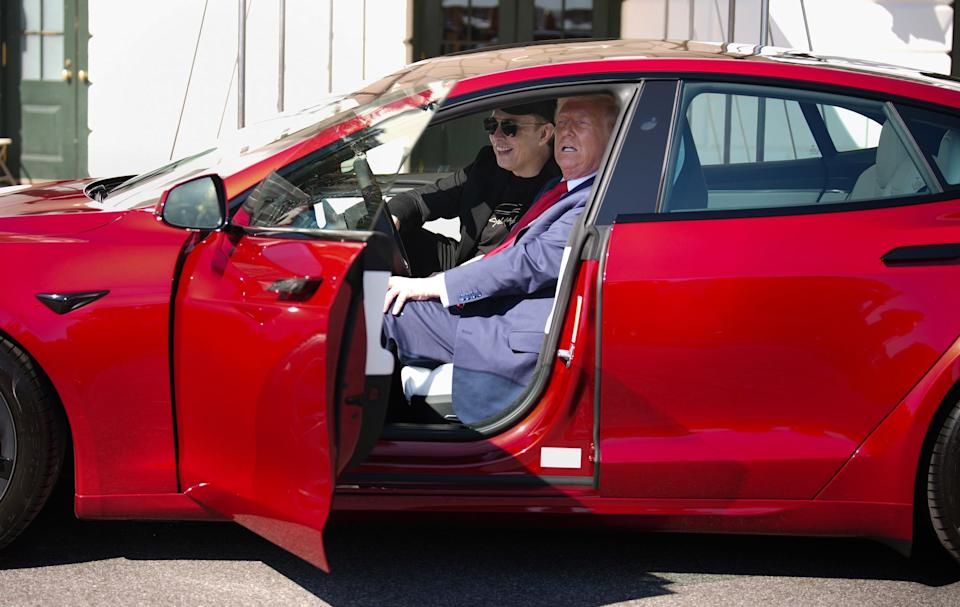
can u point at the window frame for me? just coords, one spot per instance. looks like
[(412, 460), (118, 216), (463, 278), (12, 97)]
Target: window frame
[(622, 178), (937, 192)]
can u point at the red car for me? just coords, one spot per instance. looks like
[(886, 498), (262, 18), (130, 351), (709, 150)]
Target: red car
[(755, 331)]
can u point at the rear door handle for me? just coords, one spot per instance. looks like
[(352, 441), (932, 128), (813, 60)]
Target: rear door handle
[(923, 255)]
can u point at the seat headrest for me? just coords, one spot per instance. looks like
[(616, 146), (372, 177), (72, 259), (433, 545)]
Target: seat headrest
[(948, 156), (890, 154)]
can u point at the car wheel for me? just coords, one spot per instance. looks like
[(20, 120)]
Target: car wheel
[(943, 484), (32, 437)]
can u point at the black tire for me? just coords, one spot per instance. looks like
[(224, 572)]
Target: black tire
[(943, 484), (32, 438)]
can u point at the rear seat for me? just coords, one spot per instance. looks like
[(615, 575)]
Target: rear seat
[(948, 156), (893, 174)]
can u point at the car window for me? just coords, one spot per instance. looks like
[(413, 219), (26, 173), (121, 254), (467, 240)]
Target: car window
[(848, 129), (760, 129), (448, 146), (753, 147), (938, 136), (339, 188)]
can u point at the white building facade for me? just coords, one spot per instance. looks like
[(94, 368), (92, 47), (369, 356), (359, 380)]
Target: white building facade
[(161, 79), (164, 85), (913, 33)]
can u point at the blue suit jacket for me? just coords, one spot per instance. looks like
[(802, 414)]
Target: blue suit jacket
[(506, 300)]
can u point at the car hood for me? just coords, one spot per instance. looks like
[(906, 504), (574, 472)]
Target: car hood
[(54, 197), (53, 208)]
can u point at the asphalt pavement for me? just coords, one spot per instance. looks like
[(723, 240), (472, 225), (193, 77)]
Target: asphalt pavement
[(62, 561)]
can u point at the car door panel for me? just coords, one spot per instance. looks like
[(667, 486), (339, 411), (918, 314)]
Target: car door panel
[(280, 380), (749, 357), (263, 399)]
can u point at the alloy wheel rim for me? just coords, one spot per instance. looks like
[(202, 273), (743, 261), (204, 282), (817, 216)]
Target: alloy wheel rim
[(8, 446)]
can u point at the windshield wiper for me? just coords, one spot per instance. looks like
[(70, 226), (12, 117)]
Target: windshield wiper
[(100, 189), (98, 192)]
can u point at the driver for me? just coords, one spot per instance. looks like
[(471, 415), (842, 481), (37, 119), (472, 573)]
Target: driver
[(488, 196)]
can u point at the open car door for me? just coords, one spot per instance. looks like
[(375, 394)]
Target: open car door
[(280, 380)]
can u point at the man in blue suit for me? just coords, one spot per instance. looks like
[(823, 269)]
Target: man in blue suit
[(488, 316)]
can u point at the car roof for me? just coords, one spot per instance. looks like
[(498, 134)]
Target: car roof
[(497, 60)]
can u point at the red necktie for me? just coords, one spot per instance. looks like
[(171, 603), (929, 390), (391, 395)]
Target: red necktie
[(544, 202)]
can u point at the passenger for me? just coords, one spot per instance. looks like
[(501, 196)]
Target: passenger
[(488, 317), (488, 195)]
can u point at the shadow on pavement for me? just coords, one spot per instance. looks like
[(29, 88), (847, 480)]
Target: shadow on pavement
[(413, 563)]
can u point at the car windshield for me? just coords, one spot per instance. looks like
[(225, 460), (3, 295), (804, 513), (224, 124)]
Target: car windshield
[(234, 152), (340, 186)]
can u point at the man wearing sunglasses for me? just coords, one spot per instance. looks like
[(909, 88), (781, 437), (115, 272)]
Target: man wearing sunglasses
[(488, 196), (488, 317)]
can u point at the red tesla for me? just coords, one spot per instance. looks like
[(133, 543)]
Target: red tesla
[(756, 329)]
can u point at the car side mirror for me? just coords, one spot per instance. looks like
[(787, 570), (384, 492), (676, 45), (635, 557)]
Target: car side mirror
[(200, 204)]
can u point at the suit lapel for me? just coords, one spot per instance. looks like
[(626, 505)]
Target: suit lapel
[(553, 210)]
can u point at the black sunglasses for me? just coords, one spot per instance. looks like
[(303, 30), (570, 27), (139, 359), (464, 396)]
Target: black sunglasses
[(509, 126)]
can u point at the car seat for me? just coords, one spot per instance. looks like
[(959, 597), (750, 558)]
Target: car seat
[(948, 156), (433, 386), (893, 173), (689, 190)]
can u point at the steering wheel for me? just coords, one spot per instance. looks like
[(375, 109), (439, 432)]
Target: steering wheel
[(377, 208), (383, 223)]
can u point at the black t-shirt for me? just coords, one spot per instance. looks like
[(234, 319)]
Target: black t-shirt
[(516, 198)]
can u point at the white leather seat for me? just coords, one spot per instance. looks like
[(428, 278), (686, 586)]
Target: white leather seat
[(948, 156), (434, 386), (893, 174)]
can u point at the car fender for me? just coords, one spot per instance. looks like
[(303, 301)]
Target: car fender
[(108, 361), (884, 468)]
